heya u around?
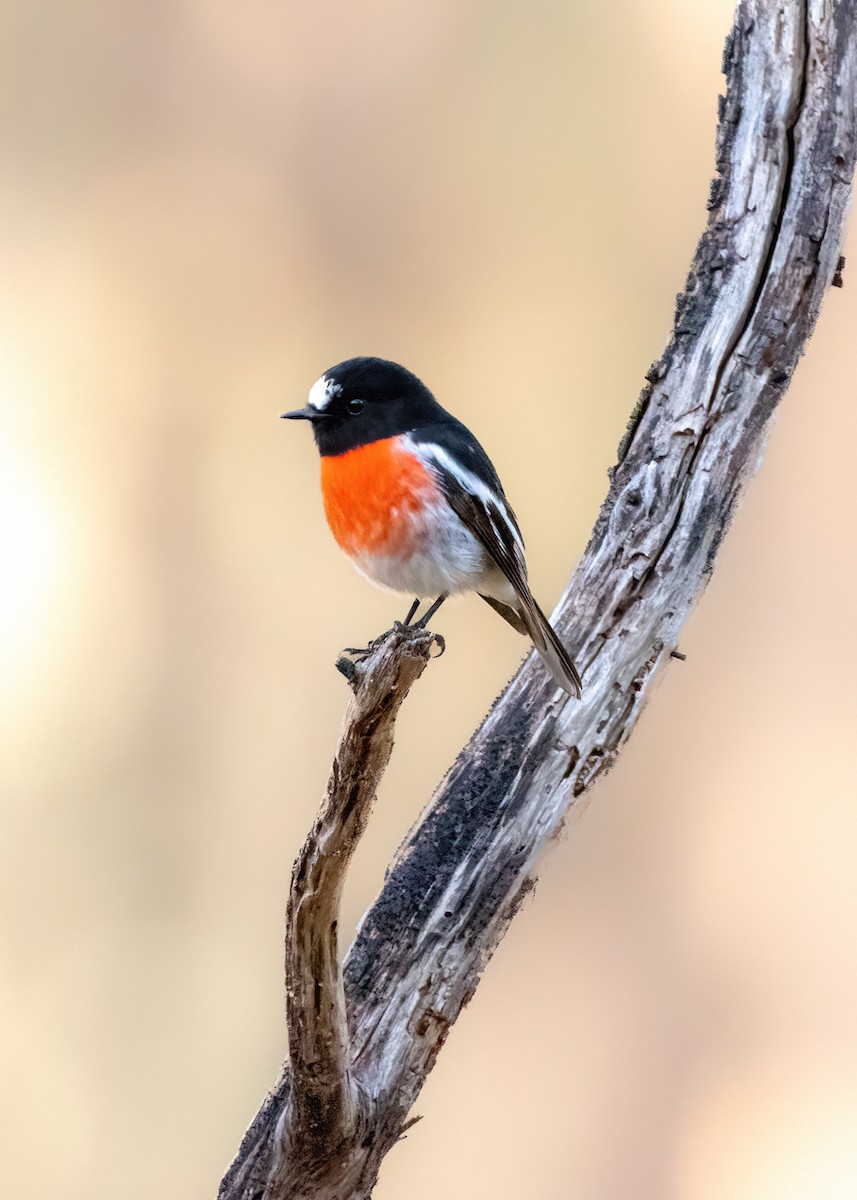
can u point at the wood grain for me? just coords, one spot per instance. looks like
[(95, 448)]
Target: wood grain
[(785, 154)]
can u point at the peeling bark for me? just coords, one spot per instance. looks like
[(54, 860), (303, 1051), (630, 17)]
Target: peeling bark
[(786, 147)]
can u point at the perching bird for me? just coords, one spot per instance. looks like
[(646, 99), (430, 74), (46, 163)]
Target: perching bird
[(415, 502)]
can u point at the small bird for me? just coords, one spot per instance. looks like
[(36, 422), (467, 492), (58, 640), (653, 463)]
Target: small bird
[(415, 502)]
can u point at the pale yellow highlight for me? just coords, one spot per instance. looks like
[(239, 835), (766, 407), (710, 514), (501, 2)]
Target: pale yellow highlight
[(203, 208)]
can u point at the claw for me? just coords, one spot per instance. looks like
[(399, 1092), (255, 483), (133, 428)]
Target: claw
[(359, 654)]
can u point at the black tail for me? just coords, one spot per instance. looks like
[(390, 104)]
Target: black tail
[(530, 619), (554, 654)]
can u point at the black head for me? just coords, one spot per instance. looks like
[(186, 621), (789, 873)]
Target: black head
[(363, 400)]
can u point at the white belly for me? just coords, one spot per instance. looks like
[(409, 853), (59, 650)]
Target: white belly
[(443, 556)]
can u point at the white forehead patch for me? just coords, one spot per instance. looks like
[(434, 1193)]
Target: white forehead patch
[(322, 392)]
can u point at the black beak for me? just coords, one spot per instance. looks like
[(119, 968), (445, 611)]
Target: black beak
[(304, 414)]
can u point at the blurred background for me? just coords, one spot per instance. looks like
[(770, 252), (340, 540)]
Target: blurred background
[(204, 205)]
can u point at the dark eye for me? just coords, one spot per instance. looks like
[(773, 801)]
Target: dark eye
[(355, 407)]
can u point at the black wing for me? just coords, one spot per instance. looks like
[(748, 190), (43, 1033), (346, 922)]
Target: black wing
[(459, 444), (470, 484), (473, 489)]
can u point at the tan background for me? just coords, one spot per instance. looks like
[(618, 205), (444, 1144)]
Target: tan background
[(203, 206)]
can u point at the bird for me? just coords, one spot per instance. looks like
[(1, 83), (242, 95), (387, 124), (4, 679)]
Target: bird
[(416, 503)]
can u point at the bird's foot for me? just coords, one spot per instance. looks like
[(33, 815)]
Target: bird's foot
[(352, 657), (359, 653)]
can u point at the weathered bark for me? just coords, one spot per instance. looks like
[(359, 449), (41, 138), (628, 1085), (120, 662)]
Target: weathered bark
[(785, 157), (327, 1111)]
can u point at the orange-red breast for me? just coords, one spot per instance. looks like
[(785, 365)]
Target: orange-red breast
[(415, 502)]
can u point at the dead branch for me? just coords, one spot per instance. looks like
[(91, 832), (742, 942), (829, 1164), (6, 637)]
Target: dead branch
[(362, 1044), (327, 1111)]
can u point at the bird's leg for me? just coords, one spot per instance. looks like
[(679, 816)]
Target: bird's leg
[(361, 652), (412, 612), (422, 623)]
